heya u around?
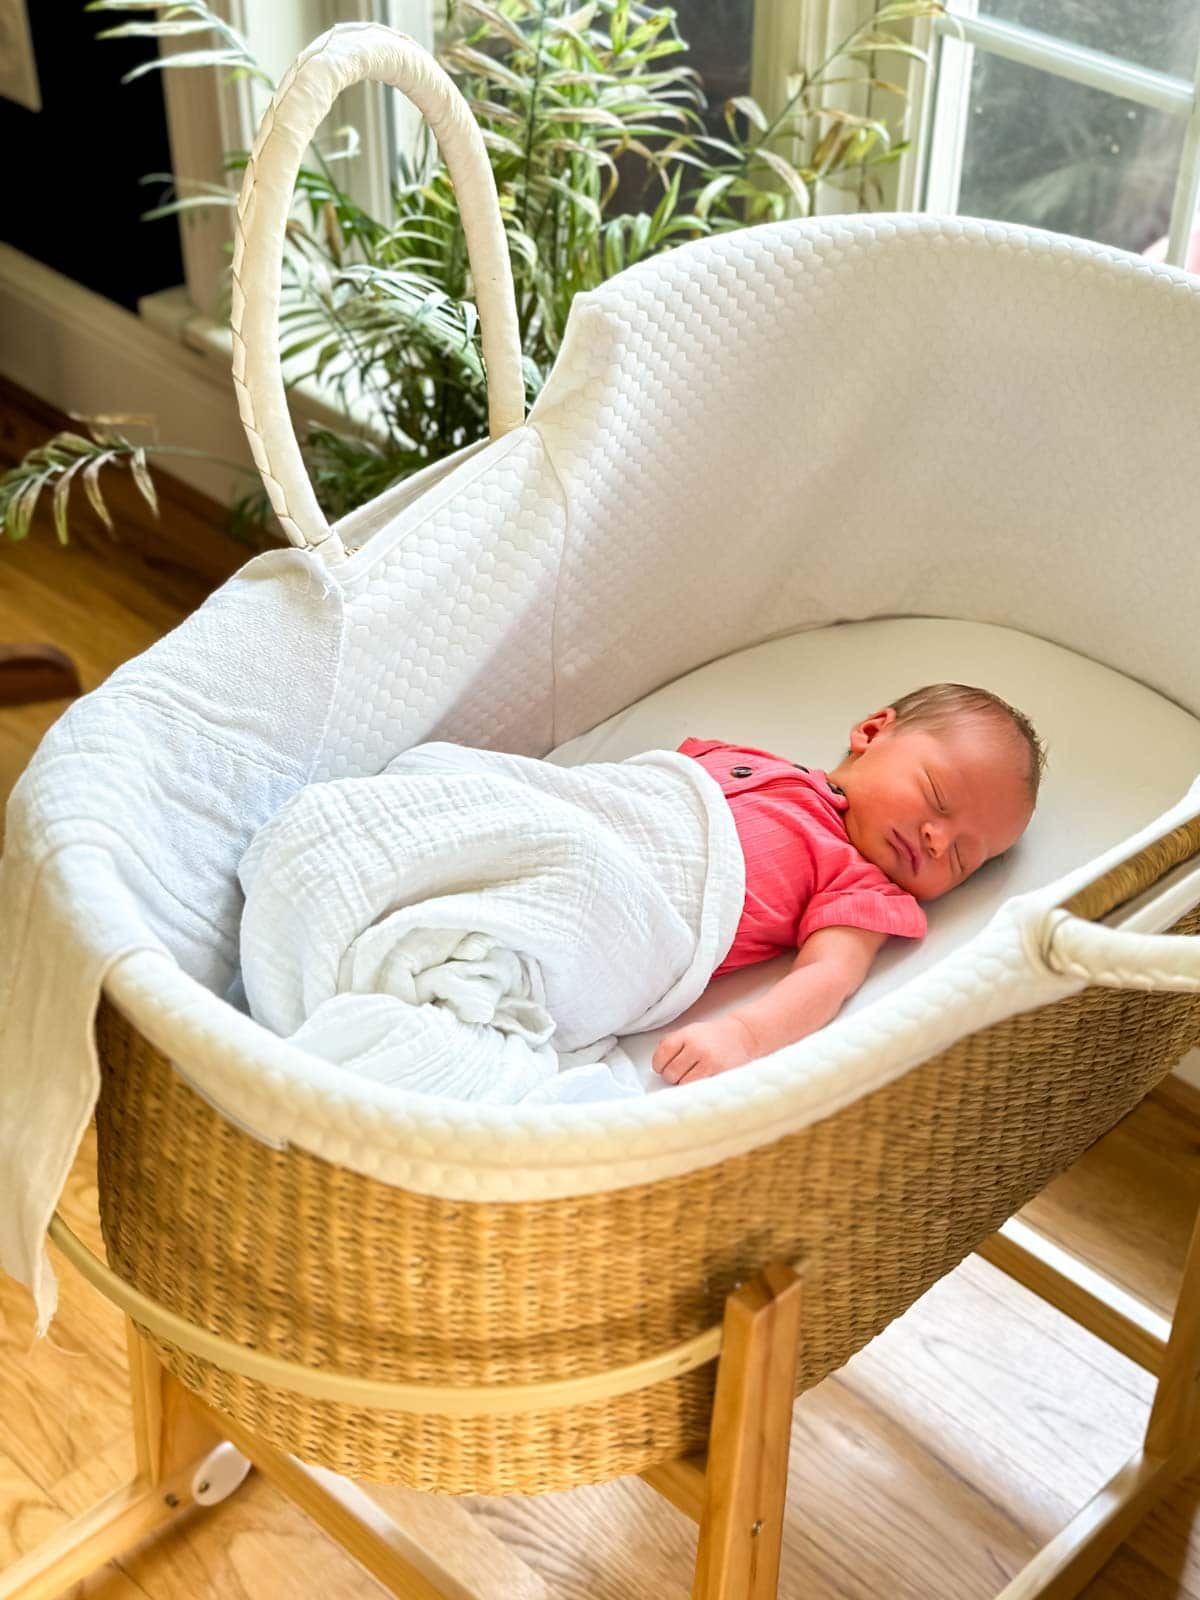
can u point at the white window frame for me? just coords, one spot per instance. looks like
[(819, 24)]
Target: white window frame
[(931, 174), (791, 33)]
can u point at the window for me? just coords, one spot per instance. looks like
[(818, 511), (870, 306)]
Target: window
[(1072, 115)]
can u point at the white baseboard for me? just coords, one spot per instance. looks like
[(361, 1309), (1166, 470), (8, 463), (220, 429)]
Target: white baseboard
[(79, 351)]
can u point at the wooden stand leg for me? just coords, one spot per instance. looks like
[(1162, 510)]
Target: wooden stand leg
[(741, 1526), (1174, 1414), (170, 1442), (1170, 1451), (168, 1431), (349, 1515)]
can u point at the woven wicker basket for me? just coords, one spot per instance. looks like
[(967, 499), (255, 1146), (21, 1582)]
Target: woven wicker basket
[(281, 1251)]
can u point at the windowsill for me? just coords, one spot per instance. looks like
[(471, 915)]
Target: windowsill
[(171, 312)]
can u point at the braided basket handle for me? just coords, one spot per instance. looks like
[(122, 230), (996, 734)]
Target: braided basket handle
[(345, 55), (1117, 958)]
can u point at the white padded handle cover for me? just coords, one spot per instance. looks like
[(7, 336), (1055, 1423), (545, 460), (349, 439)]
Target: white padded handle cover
[(345, 55), (1115, 958)]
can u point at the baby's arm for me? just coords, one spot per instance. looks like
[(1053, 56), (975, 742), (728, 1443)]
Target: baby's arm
[(831, 965)]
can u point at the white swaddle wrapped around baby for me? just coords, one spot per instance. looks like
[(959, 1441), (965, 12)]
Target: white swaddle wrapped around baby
[(484, 926)]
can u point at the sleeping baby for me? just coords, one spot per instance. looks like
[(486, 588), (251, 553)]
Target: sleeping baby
[(486, 926), (931, 788)]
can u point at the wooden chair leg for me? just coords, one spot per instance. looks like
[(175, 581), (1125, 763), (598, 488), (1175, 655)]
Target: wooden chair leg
[(170, 1442), (741, 1525)]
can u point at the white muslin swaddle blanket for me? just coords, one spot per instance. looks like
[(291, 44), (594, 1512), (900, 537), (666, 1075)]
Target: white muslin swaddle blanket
[(483, 926)]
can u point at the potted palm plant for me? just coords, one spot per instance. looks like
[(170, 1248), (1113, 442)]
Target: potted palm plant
[(601, 158)]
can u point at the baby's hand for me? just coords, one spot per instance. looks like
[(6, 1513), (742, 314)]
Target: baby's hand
[(703, 1049)]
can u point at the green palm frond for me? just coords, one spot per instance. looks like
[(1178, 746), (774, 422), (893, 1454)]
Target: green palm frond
[(68, 457)]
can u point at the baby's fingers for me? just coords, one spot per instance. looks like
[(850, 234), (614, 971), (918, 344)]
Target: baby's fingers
[(668, 1046), (686, 1065)]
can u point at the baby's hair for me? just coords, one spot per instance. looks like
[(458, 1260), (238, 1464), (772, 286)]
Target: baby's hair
[(943, 705)]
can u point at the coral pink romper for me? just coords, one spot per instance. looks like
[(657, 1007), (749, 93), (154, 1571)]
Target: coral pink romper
[(802, 872)]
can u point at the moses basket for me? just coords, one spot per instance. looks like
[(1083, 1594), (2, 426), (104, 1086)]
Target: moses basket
[(897, 447)]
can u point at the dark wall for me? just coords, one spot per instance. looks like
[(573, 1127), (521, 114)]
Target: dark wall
[(72, 197)]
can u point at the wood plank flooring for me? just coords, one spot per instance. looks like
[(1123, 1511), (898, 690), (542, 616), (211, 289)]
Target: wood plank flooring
[(929, 1468)]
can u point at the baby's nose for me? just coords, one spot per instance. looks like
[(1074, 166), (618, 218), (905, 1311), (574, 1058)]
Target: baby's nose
[(935, 839)]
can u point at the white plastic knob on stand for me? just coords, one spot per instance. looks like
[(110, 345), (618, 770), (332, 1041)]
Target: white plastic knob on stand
[(221, 1472)]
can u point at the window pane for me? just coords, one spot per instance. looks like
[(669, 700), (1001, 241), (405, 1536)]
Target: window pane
[(1164, 35), (1067, 157)]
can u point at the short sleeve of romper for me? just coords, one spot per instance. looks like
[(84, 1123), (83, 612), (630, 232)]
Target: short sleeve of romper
[(802, 872)]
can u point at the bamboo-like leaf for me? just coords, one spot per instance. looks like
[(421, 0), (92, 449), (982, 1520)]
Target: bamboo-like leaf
[(193, 58), (889, 156), (155, 30), (200, 184), (788, 173), (583, 202), (711, 192), (476, 62), (649, 30), (578, 21), (112, 419), (191, 203), (749, 108), (896, 10), (495, 113), (75, 443), (618, 25), (92, 488), (891, 43), (499, 141), (62, 491), (141, 476), (851, 119), (22, 507), (497, 21), (470, 320), (128, 5), (584, 114), (823, 154)]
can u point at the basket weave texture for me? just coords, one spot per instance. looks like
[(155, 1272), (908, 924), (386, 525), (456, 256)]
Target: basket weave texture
[(285, 1252)]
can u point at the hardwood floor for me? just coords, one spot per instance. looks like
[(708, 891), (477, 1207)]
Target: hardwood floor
[(929, 1468)]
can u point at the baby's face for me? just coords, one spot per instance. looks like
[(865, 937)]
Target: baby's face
[(929, 809)]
